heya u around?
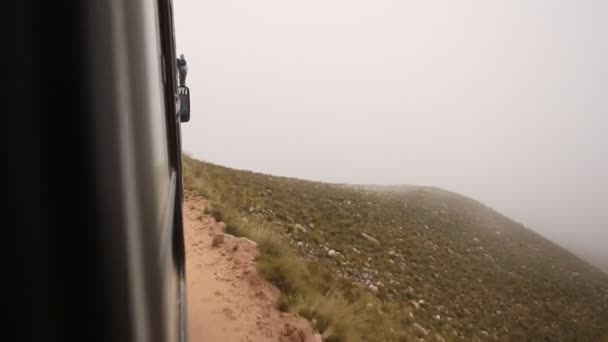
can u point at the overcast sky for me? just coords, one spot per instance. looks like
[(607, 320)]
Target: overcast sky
[(504, 101)]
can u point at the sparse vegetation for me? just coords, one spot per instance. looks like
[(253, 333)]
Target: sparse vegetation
[(367, 263), (305, 290)]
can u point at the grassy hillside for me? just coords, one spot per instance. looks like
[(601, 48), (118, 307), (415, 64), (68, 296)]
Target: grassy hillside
[(390, 263)]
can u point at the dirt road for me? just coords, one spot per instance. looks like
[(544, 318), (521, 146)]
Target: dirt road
[(227, 300)]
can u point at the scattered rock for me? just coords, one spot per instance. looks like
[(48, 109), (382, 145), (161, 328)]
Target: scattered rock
[(419, 331), (373, 288), (415, 304), (244, 219), (300, 244), (370, 238), (332, 253), (439, 338), (475, 239), (300, 227)]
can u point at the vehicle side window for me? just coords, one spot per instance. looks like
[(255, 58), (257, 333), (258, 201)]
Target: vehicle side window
[(157, 124), (147, 90)]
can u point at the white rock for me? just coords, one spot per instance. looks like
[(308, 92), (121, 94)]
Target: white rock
[(439, 338), (370, 238), (332, 253), (419, 331), (300, 227), (415, 304), (475, 239), (373, 288)]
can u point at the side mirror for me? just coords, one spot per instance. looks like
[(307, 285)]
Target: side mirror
[(184, 108)]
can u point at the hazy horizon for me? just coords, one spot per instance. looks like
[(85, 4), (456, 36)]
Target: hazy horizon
[(504, 102)]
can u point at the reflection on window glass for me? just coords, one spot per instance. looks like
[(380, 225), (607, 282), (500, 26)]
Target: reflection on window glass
[(156, 122)]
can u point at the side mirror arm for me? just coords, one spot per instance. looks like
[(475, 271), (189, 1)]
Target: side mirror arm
[(183, 94)]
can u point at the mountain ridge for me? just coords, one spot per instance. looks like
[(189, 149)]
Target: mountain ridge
[(430, 257)]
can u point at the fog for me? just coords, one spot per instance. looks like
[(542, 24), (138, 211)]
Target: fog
[(502, 101)]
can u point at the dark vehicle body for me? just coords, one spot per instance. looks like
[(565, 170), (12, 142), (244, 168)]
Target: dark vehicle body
[(91, 172)]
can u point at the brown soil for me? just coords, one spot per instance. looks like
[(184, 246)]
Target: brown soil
[(228, 300)]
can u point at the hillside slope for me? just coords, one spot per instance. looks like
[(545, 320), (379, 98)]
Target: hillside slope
[(439, 265)]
